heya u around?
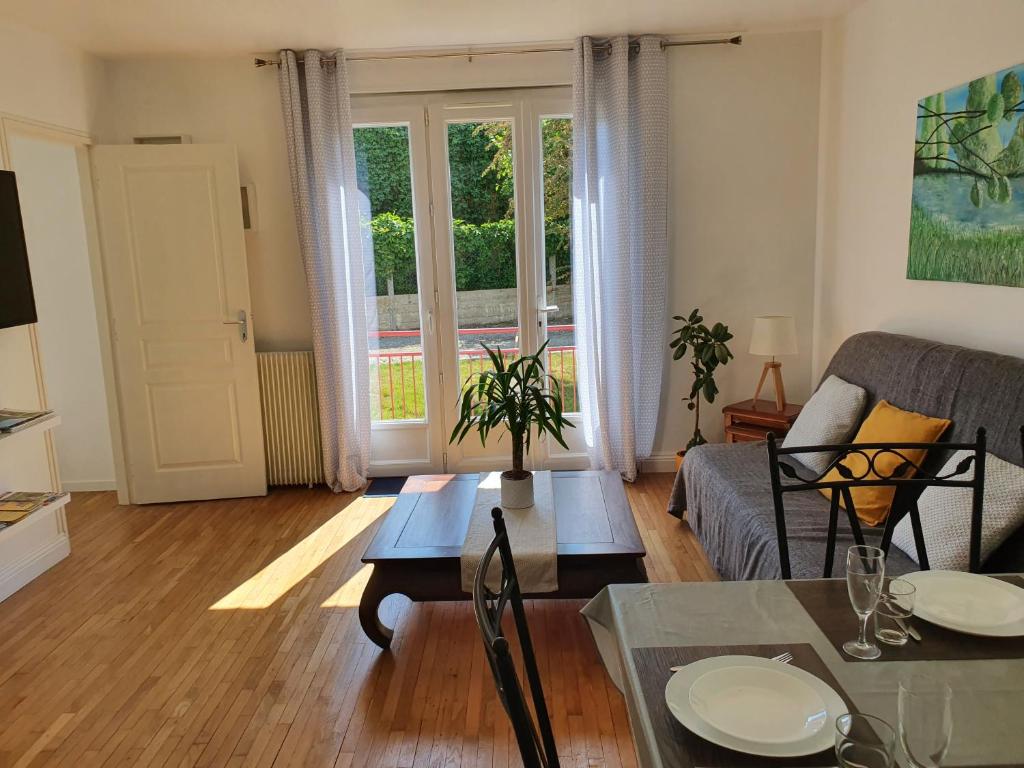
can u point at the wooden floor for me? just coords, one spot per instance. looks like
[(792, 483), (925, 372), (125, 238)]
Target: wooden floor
[(225, 634)]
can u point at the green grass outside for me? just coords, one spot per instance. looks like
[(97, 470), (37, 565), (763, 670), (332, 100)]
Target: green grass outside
[(401, 387), (941, 250)]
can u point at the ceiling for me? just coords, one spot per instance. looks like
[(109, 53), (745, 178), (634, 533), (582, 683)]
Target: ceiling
[(118, 28)]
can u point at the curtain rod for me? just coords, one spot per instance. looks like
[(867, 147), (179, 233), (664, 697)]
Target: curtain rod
[(735, 40)]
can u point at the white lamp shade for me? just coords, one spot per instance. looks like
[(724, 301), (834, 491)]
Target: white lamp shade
[(773, 335)]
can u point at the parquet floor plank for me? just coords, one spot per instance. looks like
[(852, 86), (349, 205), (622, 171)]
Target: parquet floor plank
[(225, 633)]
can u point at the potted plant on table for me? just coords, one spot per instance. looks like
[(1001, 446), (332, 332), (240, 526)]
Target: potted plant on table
[(521, 397), (708, 349)]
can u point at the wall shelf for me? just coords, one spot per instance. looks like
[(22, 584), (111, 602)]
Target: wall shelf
[(39, 540), (33, 544), (39, 425)]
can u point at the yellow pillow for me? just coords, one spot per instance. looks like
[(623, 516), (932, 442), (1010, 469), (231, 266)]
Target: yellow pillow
[(885, 424)]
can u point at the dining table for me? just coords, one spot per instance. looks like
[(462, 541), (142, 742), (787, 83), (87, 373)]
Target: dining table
[(640, 628)]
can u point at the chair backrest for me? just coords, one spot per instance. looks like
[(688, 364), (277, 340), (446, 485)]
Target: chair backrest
[(533, 734), (907, 477)]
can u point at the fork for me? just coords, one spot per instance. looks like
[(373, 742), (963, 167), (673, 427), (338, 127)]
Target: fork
[(782, 658)]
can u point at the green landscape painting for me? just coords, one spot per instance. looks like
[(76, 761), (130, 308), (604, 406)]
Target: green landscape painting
[(967, 216)]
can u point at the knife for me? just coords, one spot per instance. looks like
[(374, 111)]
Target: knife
[(908, 629)]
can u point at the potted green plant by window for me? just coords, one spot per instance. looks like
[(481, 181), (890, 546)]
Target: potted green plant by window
[(708, 350), (521, 397)]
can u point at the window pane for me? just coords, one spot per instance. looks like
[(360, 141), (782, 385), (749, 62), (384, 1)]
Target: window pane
[(556, 140), (396, 346), (483, 228)]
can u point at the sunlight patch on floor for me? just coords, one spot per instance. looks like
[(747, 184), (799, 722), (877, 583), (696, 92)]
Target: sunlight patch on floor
[(275, 580), (349, 593)]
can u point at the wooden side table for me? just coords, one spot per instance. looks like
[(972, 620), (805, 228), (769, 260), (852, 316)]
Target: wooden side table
[(747, 421)]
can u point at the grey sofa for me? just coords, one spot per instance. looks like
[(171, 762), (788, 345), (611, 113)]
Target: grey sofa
[(726, 489)]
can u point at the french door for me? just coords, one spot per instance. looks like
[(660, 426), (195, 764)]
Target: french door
[(469, 196)]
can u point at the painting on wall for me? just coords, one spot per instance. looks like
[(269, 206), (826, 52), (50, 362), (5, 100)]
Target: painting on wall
[(967, 214)]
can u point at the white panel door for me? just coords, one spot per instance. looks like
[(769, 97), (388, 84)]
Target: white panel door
[(170, 226)]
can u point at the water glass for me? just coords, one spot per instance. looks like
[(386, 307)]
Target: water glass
[(865, 570), (925, 724), (893, 612), (864, 741)]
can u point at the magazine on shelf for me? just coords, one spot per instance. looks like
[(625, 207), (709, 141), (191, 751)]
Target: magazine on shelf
[(12, 420), (16, 505)]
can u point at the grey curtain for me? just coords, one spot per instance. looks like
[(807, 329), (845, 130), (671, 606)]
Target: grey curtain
[(321, 156), (620, 244)]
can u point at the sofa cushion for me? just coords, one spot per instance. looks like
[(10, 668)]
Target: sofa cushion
[(885, 424), (831, 416), (729, 507), (946, 515)]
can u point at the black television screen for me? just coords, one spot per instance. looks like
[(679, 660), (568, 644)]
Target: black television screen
[(17, 303)]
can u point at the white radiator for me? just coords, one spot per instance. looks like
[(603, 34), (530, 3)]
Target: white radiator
[(291, 422)]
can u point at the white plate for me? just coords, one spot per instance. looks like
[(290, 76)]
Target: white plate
[(765, 734), (969, 603), (758, 704)]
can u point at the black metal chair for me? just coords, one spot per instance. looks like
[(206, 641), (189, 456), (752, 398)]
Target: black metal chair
[(536, 741), (907, 477)]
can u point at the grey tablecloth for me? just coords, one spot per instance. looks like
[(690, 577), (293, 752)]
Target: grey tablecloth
[(988, 696)]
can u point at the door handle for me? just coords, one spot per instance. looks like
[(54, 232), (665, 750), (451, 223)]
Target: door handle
[(543, 311), (243, 325)]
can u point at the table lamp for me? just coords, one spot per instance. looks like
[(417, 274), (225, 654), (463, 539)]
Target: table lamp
[(772, 336)]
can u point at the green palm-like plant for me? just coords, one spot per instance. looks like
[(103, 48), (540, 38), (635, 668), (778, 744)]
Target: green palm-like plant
[(517, 394), (709, 350)]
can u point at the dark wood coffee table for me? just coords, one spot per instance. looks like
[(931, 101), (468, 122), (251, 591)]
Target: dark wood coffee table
[(416, 550)]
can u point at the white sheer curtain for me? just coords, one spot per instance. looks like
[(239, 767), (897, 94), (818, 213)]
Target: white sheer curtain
[(620, 244), (336, 255)]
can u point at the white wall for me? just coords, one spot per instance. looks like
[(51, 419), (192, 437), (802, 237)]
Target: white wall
[(743, 207), (51, 204), (43, 81), (880, 60), (743, 180)]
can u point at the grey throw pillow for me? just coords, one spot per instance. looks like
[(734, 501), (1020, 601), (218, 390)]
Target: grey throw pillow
[(830, 416), (946, 515)]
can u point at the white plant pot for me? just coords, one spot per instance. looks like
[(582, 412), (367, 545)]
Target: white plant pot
[(516, 494)]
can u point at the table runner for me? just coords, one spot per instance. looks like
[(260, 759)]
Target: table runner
[(531, 534), (828, 604), (679, 748)]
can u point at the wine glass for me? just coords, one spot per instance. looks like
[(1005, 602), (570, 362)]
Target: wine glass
[(864, 741), (865, 570), (925, 720)]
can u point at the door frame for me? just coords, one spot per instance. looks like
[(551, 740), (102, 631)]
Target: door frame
[(476, 107), (386, 436), (551, 104), (524, 107), (82, 141)]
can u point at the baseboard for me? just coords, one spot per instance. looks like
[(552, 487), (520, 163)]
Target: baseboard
[(15, 576), (393, 468), (662, 462), (89, 485)]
